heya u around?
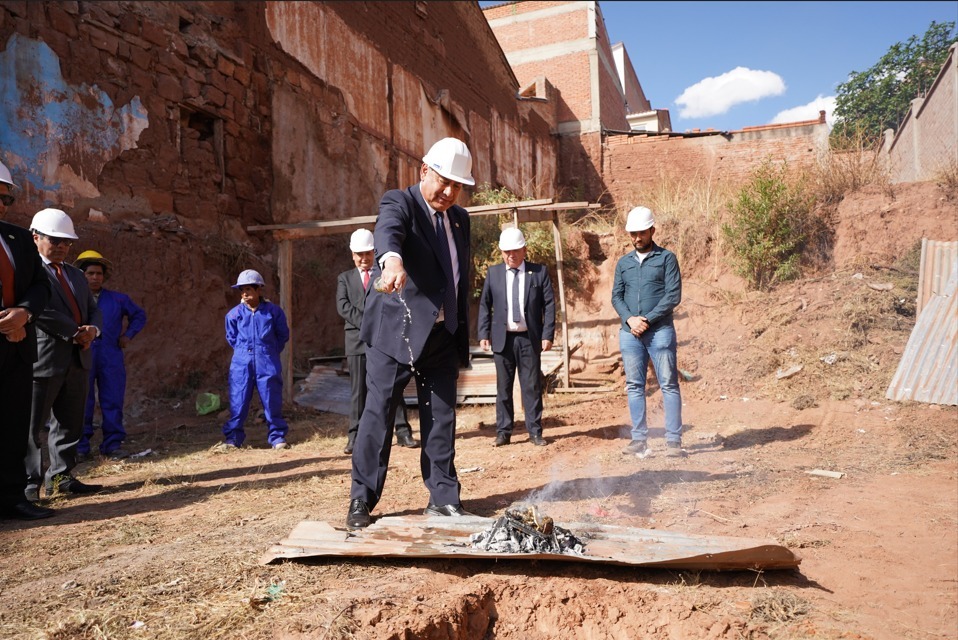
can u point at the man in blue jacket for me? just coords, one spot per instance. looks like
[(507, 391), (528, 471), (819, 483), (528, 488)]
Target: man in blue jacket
[(646, 289), (108, 374)]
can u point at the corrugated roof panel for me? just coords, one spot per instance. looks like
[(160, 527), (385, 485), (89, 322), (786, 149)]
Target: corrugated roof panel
[(938, 259), (928, 370)]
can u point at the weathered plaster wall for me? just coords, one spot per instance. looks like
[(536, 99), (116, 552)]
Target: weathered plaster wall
[(166, 129)]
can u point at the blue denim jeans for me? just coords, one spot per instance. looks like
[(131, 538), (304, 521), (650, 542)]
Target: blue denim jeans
[(659, 345)]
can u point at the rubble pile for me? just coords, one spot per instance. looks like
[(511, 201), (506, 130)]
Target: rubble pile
[(525, 530)]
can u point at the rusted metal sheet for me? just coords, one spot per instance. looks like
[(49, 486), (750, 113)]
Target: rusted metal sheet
[(442, 537), (928, 370), (937, 261)]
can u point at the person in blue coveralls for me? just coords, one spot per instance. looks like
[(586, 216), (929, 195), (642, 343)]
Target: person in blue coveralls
[(257, 330), (108, 373)]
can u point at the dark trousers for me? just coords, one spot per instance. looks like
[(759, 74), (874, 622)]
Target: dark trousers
[(16, 383), (357, 400), (65, 395), (436, 371), (519, 354)]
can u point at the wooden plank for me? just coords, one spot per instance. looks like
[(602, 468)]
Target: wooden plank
[(286, 303), (439, 537), (557, 239)]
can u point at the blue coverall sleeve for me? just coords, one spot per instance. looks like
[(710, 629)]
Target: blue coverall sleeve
[(280, 327), (232, 330), (136, 317)]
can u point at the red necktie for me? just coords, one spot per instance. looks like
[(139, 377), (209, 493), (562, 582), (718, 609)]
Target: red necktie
[(365, 279), (77, 317), (6, 279)]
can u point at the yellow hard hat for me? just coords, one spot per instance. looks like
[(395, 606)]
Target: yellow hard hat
[(92, 257)]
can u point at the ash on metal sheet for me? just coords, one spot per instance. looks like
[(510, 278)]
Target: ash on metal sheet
[(525, 530)]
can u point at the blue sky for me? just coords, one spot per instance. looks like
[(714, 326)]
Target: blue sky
[(728, 65)]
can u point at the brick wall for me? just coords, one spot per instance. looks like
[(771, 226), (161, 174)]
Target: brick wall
[(635, 163)]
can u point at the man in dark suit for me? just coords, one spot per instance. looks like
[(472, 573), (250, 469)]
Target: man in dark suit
[(351, 288), (415, 323), (24, 292), (517, 311), (65, 331)]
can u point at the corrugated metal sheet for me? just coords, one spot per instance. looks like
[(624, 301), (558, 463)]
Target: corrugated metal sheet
[(928, 370), (443, 537), (938, 259)]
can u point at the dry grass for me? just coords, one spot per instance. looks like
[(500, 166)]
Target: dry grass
[(838, 173), (779, 606), (689, 212)]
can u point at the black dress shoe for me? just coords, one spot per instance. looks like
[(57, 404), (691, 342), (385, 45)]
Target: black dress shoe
[(446, 510), (349, 448), (539, 441), (358, 516), (64, 484), (26, 511), (502, 440), (406, 440)]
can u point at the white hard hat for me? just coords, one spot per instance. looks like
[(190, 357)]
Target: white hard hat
[(639, 219), (5, 175), (53, 223), (511, 238), (451, 159), (251, 277), (361, 240)]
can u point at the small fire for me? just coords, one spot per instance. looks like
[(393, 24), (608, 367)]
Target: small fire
[(526, 530)]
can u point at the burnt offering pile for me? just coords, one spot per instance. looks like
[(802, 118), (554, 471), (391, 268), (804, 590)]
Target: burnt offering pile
[(525, 530)]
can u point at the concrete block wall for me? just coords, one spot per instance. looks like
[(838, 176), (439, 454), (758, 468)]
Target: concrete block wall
[(926, 144)]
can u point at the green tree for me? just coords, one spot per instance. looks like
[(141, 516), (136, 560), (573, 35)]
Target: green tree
[(877, 99), (765, 232)]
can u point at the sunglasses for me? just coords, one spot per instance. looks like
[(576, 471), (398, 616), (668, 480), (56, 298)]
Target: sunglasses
[(7, 199), (56, 242)]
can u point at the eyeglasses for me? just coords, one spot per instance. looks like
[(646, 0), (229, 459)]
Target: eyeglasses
[(7, 199)]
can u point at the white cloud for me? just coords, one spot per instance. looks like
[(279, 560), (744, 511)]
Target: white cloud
[(715, 96), (808, 111)]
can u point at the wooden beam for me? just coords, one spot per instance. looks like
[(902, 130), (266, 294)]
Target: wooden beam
[(328, 226), (286, 303), (557, 237)]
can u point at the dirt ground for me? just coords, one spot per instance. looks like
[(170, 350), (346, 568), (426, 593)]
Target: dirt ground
[(171, 548)]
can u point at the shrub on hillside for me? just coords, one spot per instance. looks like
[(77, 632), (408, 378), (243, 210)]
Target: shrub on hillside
[(766, 227)]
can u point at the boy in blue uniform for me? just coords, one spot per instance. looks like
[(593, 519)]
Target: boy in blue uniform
[(108, 373), (257, 330)]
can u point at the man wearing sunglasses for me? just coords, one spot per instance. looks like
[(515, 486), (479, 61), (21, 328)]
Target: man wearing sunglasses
[(61, 375), (24, 292)]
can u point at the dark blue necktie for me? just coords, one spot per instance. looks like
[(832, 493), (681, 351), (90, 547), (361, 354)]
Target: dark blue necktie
[(516, 317), (449, 301)]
